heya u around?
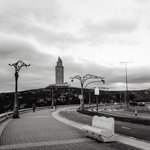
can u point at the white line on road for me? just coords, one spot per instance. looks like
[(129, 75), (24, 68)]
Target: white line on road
[(125, 128)]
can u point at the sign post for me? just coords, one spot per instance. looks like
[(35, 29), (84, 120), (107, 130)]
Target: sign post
[(81, 103), (97, 93)]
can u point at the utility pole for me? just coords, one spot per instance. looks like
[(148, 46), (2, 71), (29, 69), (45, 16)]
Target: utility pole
[(126, 93)]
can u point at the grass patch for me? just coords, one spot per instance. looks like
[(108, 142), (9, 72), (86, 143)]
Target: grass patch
[(140, 109)]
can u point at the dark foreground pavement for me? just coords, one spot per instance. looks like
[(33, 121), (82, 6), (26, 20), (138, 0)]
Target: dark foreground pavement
[(40, 131)]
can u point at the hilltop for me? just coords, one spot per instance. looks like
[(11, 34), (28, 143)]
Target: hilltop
[(66, 95)]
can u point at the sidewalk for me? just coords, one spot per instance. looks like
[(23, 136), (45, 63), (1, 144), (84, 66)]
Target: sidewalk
[(41, 131)]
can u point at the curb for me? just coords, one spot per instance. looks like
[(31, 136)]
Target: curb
[(120, 138)]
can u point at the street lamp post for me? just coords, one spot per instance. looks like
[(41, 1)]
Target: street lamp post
[(90, 91), (52, 90), (97, 94), (52, 99), (101, 87), (126, 93), (17, 66), (82, 81), (89, 97)]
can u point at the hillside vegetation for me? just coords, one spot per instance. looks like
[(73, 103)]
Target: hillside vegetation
[(66, 95)]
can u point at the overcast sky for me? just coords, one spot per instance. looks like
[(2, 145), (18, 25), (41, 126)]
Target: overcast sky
[(90, 36)]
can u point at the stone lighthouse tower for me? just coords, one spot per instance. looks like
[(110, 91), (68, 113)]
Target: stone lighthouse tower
[(59, 72)]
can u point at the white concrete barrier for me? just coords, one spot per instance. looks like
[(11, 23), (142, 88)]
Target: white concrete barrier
[(102, 129)]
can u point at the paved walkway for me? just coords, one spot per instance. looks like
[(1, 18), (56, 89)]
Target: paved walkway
[(41, 131)]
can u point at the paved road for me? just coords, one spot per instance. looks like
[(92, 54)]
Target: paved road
[(40, 131), (124, 128), (115, 111)]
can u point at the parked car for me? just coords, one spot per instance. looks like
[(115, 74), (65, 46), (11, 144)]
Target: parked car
[(141, 104), (133, 103), (115, 103)]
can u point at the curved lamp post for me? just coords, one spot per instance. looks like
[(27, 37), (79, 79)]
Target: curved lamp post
[(101, 87), (95, 81), (90, 91), (17, 66), (82, 81)]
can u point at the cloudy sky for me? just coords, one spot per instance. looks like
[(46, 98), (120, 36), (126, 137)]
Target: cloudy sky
[(90, 36)]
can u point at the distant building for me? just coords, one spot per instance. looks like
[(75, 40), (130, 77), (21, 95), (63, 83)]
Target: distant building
[(59, 72), (59, 75)]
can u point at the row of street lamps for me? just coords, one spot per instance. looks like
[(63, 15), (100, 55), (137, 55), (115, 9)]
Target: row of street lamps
[(19, 64), (89, 76)]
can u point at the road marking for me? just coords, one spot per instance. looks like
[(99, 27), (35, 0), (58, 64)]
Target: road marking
[(125, 128), (69, 112)]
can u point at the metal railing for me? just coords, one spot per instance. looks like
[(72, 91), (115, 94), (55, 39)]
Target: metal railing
[(8, 115)]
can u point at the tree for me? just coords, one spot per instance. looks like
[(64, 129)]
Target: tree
[(131, 97)]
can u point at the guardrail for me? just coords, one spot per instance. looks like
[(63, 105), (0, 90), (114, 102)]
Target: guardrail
[(8, 115)]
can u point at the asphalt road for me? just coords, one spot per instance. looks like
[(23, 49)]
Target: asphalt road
[(141, 132)]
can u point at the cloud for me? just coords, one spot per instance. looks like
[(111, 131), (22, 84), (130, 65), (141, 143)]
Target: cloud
[(115, 76), (109, 30), (41, 73), (37, 32), (12, 50), (47, 11), (38, 20), (141, 1), (116, 25)]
